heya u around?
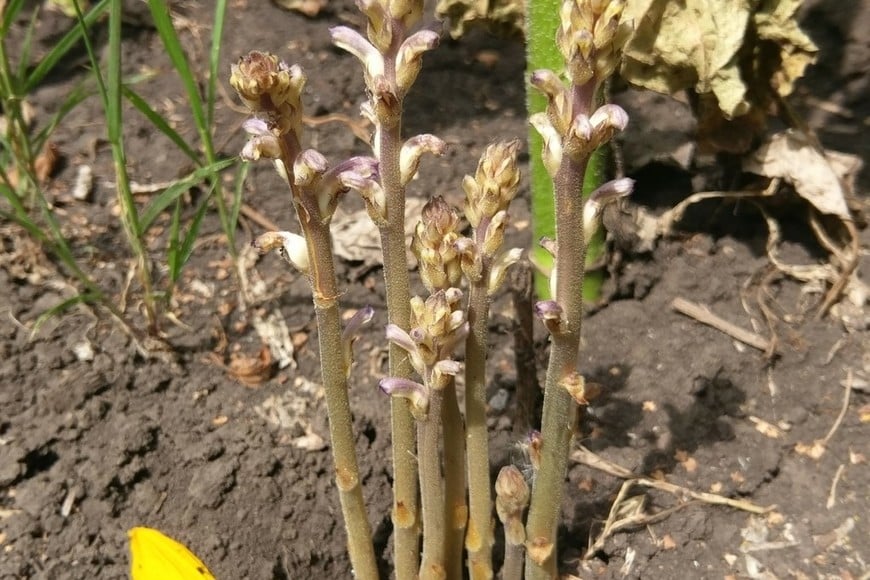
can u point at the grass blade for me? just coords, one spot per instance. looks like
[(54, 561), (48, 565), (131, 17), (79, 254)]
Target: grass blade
[(169, 37), (171, 194), (238, 190), (217, 31), (64, 45), (160, 123), (9, 15), (185, 249), (58, 309)]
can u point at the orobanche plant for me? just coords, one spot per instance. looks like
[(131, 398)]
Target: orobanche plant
[(443, 508)]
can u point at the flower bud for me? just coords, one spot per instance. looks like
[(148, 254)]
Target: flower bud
[(396, 335), (353, 42), (266, 83), (493, 238), (408, 12), (590, 38), (359, 173), (410, 58), (552, 151), (511, 498), (434, 245), (263, 142), (499, 268), (606, 121), (416, 393), (494, 184), (379, 29), (558, 100), (413, 149), (308, 167), (601, 198), (290, 246), (443, 372)]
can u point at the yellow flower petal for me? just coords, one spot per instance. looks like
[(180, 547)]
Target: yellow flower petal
[(155, 556)]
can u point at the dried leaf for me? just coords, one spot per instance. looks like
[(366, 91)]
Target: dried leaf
[(790, 155), (691, 44), (740, 56), (356, 238), (251, 371)]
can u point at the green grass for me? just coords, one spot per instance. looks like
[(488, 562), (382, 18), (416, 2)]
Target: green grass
[(24, 201)]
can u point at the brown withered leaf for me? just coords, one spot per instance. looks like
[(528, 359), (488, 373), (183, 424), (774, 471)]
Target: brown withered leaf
[(739, 56), (791, 155), (251, 370)]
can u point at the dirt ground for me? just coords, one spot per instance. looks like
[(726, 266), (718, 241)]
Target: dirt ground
[(95, 439)]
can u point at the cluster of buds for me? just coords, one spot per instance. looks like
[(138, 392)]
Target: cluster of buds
[(511, 499), (566, 132), (269, 87), (487, 197), (590, 38), (434, 245), (272, 91), (438, 325), (391, 58)]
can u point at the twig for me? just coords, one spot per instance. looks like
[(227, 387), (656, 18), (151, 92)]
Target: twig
[(832, 496), (703, 315), (613, 525), (843, 409), (586, 457)]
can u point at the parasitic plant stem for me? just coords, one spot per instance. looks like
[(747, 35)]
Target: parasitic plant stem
[(406, 526), (478, 537), (391, 57), (589, 37), (272, 90), (432, 565), (488, 196)]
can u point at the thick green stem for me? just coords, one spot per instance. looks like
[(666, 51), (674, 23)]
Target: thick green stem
[(560, 410), (324, 287), (455, 501), (405, 503), (478, 538), (432, 491)]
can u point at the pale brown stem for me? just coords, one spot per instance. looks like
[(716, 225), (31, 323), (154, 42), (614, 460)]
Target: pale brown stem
[(432, 491), (478, 537), (456, 504)]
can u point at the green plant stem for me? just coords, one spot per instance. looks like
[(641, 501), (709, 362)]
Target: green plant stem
[(334, 373), (456, 505), (478, 538), (392, 232), (560, 409), (111, 93), (432, 490)]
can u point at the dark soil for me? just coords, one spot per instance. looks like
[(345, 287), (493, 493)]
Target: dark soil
[(91, 446)]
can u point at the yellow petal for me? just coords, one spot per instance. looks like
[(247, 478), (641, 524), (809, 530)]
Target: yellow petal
[(155, 556)]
